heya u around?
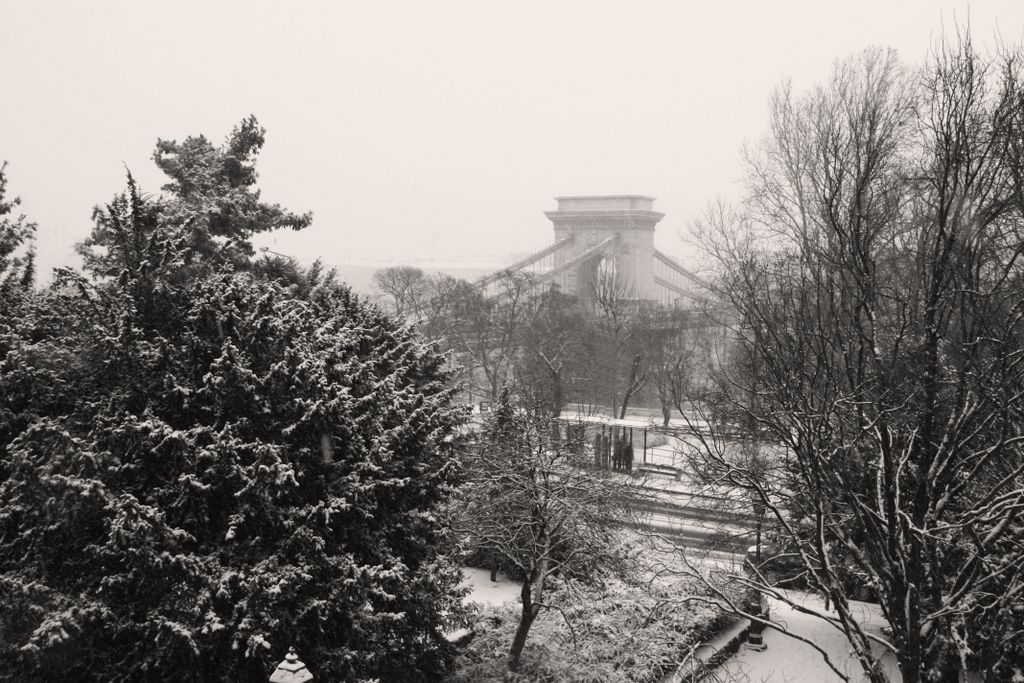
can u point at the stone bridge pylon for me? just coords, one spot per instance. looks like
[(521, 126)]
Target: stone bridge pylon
[(605, 244)]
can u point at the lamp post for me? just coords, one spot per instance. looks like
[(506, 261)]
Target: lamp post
[(758, 521), (755, 637)]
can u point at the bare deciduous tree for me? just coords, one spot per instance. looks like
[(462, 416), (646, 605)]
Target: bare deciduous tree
[(535, 503), (405, 288), (486, 331), (875, 273), (621, 364), (674, 342), (554, 349)]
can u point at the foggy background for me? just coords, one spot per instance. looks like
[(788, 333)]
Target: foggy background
[(421, 131)]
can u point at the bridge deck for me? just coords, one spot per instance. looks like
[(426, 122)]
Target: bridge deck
[(672, 281), (523, 263)]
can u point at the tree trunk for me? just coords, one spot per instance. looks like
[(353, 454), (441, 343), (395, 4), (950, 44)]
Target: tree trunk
[(636, 382), (910, 673), (532, 595), (557, 395), (526, 617)]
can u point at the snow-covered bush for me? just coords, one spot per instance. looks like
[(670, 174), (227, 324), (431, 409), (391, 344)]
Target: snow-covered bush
[(612, 631)]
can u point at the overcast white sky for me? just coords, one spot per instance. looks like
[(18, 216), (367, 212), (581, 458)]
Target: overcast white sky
[(419, 130)]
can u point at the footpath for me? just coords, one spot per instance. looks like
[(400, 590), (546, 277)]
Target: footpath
[(787, 660)]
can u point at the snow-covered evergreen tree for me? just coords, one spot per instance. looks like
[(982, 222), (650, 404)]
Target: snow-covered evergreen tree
[(202, 466), (17, 253)]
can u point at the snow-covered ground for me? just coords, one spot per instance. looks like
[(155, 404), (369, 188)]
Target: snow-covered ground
[(487, 593), (633, 419), (787, 660)]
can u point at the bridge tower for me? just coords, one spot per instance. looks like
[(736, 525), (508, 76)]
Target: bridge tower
[(607, 239)]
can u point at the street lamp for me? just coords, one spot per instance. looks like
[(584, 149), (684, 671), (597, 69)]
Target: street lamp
[(759, 510), (755, 638)]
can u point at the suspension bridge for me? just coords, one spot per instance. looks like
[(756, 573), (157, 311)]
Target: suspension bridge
[(604, 243)]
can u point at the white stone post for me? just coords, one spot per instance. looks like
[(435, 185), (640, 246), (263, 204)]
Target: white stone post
[(291, 670)]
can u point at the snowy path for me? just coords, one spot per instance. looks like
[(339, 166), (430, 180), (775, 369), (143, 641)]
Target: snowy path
[(791, 661)]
